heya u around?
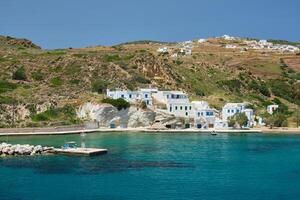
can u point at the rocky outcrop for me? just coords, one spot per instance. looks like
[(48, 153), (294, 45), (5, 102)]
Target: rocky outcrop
[(23, 150), (106, 115)]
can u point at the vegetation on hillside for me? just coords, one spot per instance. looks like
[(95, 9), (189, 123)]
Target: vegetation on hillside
[(30, 75)]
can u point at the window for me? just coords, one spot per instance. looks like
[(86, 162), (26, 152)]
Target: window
[(186, 113), (232, 111), (207, 113), (122, 96), (176, 107), (130, 96), (198, 114), (186, 108), (190, 107), (170, 108), (228, 111), (237, 110), (180, 107), (167, 96), (146, 95), (201, 113)]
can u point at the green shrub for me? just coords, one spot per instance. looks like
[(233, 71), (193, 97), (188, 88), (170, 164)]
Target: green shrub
[(233, 85), (38, 75), (20, 74), (260, 87), (199, 92), (7, 100), (49, 114), (99, 86), (118, 103), (55, 52), (281, 89), (141, 79), (277, 120), (66, 114), (111, 57), (6, 86), (56, 82), (73, 69), (74, 81), (69, 110)]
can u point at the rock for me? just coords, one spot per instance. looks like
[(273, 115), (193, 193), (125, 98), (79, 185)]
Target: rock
[(8, 149), (106, 114)]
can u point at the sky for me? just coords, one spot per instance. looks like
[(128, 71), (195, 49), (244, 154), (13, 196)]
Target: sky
[(80, 23)]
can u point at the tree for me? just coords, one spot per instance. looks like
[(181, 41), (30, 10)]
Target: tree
[(118, 103), (238, 120), (276, 120)]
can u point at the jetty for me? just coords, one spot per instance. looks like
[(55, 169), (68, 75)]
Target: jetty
[(81, 151)]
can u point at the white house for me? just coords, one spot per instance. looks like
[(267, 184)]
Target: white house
[(177, 103), (231, 109), (186, 51), (201, 40), (132, 96), (204, 116), (163, 50), (227, 37), (272, 108), (230, 46)]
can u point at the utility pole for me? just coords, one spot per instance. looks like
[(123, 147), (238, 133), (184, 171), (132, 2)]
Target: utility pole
[(297, 111), (13, 115)]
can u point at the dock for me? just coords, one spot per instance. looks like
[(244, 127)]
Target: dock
[(81, 151)]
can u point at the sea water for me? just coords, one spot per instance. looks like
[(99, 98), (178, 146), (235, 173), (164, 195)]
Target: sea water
[(157, 166)]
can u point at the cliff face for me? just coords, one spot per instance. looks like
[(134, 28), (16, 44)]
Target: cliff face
[(106, 115)]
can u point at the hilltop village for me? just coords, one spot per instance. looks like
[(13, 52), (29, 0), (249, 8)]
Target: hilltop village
[(185, 48)]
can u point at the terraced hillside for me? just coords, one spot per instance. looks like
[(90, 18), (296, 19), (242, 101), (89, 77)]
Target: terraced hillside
[(56, 82)]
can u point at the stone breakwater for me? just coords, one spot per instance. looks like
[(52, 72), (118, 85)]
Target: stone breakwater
[(23, 150)]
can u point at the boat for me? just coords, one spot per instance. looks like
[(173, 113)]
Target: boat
[(213, 133), (69, 145)]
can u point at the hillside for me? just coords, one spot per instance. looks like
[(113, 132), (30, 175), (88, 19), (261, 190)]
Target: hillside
[(33, 79)]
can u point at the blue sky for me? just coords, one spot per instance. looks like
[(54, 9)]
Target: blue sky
[(80, 23)]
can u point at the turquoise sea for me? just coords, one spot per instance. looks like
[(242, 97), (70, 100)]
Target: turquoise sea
[(158, 166)]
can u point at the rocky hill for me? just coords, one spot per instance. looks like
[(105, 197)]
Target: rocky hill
[(44, 87)]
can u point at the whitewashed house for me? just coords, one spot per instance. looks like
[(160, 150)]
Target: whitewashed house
[(231, 109), (132, 96), (163, 50), (202, 40), (186, 51), (272, 108), (227, 37), (204, 116), (177, 103), (230, 46)]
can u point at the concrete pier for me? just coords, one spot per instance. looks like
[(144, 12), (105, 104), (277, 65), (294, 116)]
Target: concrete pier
[(81, 151)]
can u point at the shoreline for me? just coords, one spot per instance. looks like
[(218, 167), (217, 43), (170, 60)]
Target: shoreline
[(68, 131)]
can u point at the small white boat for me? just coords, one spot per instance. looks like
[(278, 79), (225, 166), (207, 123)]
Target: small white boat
[(213, 133)]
